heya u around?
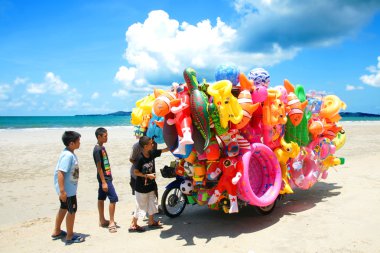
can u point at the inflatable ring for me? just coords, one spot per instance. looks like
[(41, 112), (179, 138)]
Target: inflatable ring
[(261, 181), (331, 106), (304, 170)]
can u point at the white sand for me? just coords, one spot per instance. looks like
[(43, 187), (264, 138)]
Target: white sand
[(340, 214)]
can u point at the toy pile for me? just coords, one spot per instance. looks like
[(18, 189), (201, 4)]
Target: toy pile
[(239, 140)]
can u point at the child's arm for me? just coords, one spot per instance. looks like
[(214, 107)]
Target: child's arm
[(140, 174), (101, 175), (164, 150), (61, 184)]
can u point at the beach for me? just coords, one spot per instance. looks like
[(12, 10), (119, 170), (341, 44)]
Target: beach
[(339, 214)]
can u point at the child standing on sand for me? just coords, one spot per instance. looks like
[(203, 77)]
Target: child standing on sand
[(146, 185), (104, 176), (66, 177)]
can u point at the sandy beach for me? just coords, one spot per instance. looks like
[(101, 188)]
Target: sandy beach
[(339, 214)]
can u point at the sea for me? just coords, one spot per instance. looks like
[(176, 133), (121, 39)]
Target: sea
[(20, 122)]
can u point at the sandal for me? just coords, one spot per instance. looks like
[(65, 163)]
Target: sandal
[(75, 239), (155, 224), (137, 229), (59, 236), (112, 229)]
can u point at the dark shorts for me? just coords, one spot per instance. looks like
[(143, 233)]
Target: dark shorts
[(132, 183), (111, 194), (70, 205)]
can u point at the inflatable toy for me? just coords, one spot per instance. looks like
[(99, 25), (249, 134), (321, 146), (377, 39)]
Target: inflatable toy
[(161, 105), (154, 130), (238, 141), (331, 105), (295, 109), (214, 114), (260, 77), (228, 106), (181, 109), (299, 133), (227, 72), (232, 169), (340, 139), (198, 105), (304, 169), (283, 154), (261, 181), (141, 114)]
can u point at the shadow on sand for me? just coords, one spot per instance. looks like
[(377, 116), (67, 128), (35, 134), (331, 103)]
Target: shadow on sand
[(201, 222)]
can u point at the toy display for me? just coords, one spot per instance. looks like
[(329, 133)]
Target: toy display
[(238, 141)]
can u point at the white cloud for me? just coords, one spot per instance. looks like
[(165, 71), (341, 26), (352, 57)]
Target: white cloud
[(4, 90), (95, 95), (20, 80), (36, 88), (120, 93), (372, 79), (52, 85), (160, 48), (352, 87)]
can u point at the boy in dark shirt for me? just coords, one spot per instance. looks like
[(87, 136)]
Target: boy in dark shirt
[(145, 172), (104, 176)]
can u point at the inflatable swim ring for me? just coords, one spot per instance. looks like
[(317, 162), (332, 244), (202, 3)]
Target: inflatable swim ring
[(261, 180)]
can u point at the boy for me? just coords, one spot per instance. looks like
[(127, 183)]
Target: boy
[(104, 176), (145, 184), (66, 177)]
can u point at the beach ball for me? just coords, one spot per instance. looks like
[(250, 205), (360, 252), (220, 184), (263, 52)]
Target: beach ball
[(186, 187), (227, 72), (259, 76)]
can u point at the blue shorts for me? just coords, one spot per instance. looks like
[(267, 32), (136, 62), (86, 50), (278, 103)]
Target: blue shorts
[(111, 194)]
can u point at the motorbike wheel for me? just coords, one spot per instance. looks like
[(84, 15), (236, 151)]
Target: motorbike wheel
[(173, 202), (265, 210)]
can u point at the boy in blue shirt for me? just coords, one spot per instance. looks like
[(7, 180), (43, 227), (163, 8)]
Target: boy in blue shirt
[(66, 177)]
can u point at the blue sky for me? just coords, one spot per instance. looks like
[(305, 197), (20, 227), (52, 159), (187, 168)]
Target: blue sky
[(83, 57)]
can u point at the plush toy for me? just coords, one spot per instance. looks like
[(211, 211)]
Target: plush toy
[(232, 169)]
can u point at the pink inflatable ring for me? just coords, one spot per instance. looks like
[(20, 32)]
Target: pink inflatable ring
[(261, 180)]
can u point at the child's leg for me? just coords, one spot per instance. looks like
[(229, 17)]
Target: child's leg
[(112, 196), (102, 219), (112, 208), (101, 198), (152, 209), (70, 218), (58, 221), (141, 205)]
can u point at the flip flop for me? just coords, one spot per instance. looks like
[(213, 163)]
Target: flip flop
[(59, 236), (137, 229), (156, 224), (75, 239), (112, 229)]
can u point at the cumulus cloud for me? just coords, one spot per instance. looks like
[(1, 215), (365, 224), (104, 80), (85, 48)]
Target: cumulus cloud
[(52, 84), (95, 95), (293, 23), (352, 87), (52, 94), (160, 48), (372, 79), (4, 90)]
